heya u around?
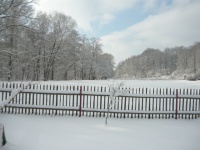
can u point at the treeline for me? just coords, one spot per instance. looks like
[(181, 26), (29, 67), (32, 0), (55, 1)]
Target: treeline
[(40, 46), (177, 62)]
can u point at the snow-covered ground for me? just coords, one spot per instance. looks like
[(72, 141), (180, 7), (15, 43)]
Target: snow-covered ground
[(133, 83), (25, 132), (129, 83)]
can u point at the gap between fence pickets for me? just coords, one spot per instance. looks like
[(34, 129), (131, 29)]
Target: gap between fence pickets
[(14, 93)]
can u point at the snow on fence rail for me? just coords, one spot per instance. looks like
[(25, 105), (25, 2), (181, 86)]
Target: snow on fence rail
[(93, 101)]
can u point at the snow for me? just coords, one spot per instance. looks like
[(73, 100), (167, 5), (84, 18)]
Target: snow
[(43, 107), (30, 132), (133, 83), (50, 91), (127, 83), (3, 103), (43, 132)]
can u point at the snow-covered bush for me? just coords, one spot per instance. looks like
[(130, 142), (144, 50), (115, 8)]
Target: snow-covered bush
[(115, 89)]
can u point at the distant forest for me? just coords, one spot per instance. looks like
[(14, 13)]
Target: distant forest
[(176, 63), (40, 46)]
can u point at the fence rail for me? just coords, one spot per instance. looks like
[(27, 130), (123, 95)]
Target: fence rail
[(93, 101)]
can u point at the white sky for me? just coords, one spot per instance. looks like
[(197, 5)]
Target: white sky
[(128, 27)]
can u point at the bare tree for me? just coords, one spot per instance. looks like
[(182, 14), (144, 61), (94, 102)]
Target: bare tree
[(14, 19), (45, 47), (115, 90)]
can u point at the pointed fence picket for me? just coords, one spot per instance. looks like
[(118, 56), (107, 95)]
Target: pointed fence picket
[(93, 101)]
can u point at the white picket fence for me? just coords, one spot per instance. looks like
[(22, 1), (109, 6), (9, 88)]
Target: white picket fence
[(93, 101)]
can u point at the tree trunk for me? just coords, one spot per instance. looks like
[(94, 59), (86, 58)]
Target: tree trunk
[(107, 114), (10, 68)]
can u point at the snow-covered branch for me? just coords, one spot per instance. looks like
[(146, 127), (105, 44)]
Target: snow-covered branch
[(14, 93)]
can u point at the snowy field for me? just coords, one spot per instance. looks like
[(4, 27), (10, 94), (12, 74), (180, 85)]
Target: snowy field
[(25, 132), (31, 132), (130, 83), (134, 83)]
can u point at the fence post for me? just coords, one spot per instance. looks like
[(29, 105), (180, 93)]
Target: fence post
[(176, 117), (80, 106)]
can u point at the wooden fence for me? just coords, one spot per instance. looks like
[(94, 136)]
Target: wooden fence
[(93, 101)]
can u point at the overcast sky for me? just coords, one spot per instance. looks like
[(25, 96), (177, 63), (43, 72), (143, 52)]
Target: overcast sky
[(128, 27)]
